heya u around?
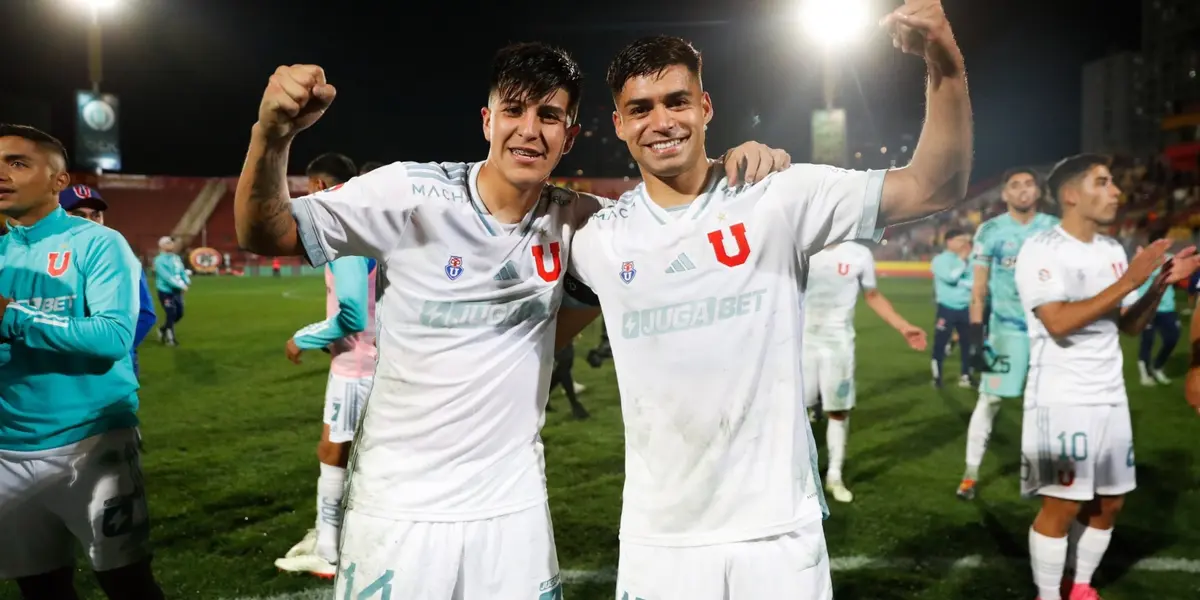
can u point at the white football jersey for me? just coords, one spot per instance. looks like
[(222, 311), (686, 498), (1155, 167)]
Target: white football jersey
[(835, 276), (1086, 366), (704, 314), (465, 332)]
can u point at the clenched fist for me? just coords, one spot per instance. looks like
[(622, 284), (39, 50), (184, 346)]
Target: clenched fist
[(920, 27), (295, 98)]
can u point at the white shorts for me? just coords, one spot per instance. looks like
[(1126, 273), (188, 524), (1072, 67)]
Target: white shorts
[(344, 400), (1077, 452), (829, 373), (511, 556), (793, 565), (90, 491)]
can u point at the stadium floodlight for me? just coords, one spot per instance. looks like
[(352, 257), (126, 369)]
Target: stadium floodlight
[(833, 23), (98, 5)]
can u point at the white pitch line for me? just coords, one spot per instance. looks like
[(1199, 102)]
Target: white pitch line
[(839, 564)]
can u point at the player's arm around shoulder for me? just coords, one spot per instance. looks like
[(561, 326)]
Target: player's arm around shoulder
[(580, 304)]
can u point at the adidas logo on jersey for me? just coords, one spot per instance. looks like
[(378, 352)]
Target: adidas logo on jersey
[(507, 273), (680, 264)]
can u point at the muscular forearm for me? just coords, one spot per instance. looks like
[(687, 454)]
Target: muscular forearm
[(941, 163), (261, 203), (1134, 320), (978, 299)]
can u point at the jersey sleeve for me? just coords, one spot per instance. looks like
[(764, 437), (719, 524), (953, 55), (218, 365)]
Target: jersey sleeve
[(363, 217), (110, 292), (981, 248), (825, 205), (1039, 277), (867, 280), (350, 286)]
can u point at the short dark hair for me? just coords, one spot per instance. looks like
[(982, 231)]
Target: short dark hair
[(337, 167), (533, 70), (1071, 168), (41, 138), (651, 56), (953, 233), (369, 166), (1014, 171)]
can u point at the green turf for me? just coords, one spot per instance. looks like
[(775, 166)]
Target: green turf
[(230, 429)]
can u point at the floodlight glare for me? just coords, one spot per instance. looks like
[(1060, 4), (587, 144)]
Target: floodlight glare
[(834, 22), (98, 5)]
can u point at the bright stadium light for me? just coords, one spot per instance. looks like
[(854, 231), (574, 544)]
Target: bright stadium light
[(98, 5), (834, 23)]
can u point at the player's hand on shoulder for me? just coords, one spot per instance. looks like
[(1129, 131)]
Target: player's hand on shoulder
[(1145, 261), (920, 27), (295, 98), (751, 162), (293, 351)]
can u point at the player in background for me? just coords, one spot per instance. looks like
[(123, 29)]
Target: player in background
[(348, 334), (369, 166), (1076, 436), (69, 453), (172, 280), (1003, 359), (835, 276), (563, 376), (85, 202), (1166, 325), (952, 284), (700, 283), (447, 494)]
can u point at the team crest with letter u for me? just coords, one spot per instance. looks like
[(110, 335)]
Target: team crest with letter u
[(57, 263), (627, 271), (454, 267)]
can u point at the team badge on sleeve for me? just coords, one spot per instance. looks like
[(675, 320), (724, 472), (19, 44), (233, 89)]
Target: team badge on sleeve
[(454, 267), (627, 271)]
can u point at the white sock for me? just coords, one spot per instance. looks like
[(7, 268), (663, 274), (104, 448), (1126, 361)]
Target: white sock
[(979, 431), (1089, 550), (330, 487), (1048, 557), (835, 439)]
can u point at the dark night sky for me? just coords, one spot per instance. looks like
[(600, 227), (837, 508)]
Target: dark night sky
[(189, 73)]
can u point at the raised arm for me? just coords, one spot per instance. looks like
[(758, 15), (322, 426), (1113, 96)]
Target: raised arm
[(937, 177), (295, 98)]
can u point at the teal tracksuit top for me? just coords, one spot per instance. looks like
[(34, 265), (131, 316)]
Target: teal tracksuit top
[(65, 369)]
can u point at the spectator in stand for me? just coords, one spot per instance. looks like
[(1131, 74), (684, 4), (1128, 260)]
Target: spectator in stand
[(85, 202)]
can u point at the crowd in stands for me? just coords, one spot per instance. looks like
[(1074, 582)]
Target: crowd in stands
[(1154, 199)]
